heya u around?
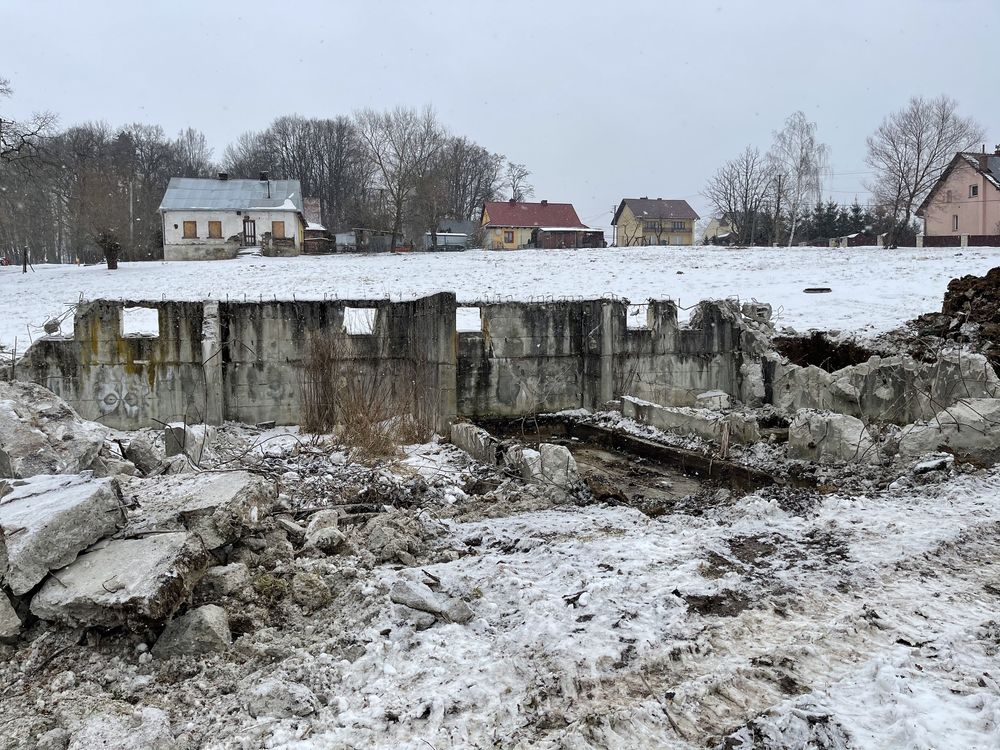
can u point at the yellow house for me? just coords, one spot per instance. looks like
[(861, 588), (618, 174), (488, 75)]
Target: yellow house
[(654, 221), (508, 225)]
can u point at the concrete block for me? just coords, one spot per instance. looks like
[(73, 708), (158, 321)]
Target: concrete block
[(219, 507), (203, 630), (717, 400), (46, 521), (825, 437), (10, 623), (124, 580), (703, 423), (475, 441), (41, 434), (223, 580), (970, 427)]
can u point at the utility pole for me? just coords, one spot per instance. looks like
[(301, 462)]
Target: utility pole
[(24, 259)]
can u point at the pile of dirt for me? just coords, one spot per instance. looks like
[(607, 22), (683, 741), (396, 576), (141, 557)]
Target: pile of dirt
[(970, 314)]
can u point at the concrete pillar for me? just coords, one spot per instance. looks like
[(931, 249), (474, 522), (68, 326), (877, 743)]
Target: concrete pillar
[(211, 362), (608, 333), (965, 240), (920, 240)]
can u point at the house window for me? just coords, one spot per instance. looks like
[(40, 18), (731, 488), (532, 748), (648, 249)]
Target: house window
[(190, 230), (954, 222), (973, 191), (215, 230), (508, 237), (679, 226), (653, 226), (277, 230)]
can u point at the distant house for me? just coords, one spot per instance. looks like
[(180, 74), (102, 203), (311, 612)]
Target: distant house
[(510, 225), (654, 221), (965, 200), (718, 231), (210, 219)]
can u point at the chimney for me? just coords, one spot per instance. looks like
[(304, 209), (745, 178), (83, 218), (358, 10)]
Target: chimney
[(545, 203), (223, 175)]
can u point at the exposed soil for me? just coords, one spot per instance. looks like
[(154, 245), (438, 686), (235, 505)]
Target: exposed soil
[(970, 314), (816, 349)]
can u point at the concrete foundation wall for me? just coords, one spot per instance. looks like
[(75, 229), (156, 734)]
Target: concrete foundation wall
[(215, 361)]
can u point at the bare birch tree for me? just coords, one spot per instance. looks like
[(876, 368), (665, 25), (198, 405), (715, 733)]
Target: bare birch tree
[(798, 160), (21, 140), (517, 181), (911, 148), (740, 190)]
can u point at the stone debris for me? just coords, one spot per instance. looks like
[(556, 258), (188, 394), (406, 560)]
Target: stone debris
[(191, 440), (217, 506), (281, 699), (124, 580), (10, 623), (477, 442), (146, 728), (41, 434), (420, 597), (825, 437), (144, 451), (45, 521), (707, 424), (323, 533), (969, 428), (203, 630), (54, 739), (223, 580), (310, 591)]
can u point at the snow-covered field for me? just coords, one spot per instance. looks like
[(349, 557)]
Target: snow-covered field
[(873, 290)]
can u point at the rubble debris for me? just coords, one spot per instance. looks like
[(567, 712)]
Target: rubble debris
[(281, 699), (476, 441), (323, 533), (41, 434), (395, 536), (970, 428), (202, 630), (970, 314), (818, 350), (825, 437), (54, 739), (310, 591), (191, 440), (704, 423), (124, 580), (717, 400), (45, 521), (217, 506), (144, 451), (551, 465), (221, 581), (145, 728), (420, 597), (940, 462), (10, 623)]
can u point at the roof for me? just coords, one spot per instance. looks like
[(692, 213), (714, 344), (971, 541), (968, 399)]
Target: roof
[(198, 193), (657, 208), (508, 214), (988, 165)]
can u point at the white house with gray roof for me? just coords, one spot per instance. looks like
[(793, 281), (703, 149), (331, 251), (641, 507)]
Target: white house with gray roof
[(211, 219)]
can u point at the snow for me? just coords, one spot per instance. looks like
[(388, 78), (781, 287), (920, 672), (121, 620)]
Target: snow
[(873, 290)]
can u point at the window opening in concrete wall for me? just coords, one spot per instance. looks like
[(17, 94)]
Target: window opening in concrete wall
[(468, 319), (637, 316), (140, 321), (359, 320)]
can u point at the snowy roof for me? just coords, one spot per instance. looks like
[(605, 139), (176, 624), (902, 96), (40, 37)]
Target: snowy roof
[(197, 193), (657, 208), (512, 214), (988, 165), (312, 225)]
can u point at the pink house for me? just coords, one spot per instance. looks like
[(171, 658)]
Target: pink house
[(966, 198)]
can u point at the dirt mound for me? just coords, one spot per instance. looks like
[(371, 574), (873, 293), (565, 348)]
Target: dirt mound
[(970, 314)]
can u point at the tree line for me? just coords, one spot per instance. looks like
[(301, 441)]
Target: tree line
[(91, 191), (775, 196)]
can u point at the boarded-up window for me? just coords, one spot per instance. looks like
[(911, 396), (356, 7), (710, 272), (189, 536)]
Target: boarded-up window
[(215, 230), (278, 230), (190, 230)]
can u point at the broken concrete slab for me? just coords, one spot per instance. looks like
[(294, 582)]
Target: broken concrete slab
[(475, 441), (203, 630), (717, 400), (825, 437), (219, 507), (322, 532), (281, 699), (420, 597), (124, 580), (970, 428), (41, 434), (704, 423), (223, 580), (10, 623), (46, 521), (144, 451), (191, 440)]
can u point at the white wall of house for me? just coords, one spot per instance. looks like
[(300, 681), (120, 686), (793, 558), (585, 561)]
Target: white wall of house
[(176, 247)]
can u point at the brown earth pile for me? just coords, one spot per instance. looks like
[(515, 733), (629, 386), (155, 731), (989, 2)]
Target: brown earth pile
[(970, 314)]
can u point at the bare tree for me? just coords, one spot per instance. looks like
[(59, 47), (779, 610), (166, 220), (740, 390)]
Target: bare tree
[(195, 155), (517, 181), (798, 160), (22, 140), (402, 144), (740, 190), (911, 148)]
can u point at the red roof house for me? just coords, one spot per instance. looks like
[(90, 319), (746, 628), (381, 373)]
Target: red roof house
[(509, 225)]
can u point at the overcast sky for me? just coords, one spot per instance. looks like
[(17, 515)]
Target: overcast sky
[(601, 100)]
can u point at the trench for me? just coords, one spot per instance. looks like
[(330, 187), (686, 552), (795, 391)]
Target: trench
[(622, 468)]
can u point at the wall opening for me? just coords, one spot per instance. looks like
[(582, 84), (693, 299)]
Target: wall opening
[(637, 317), (359, 321), (468, 319), (140, 321)]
